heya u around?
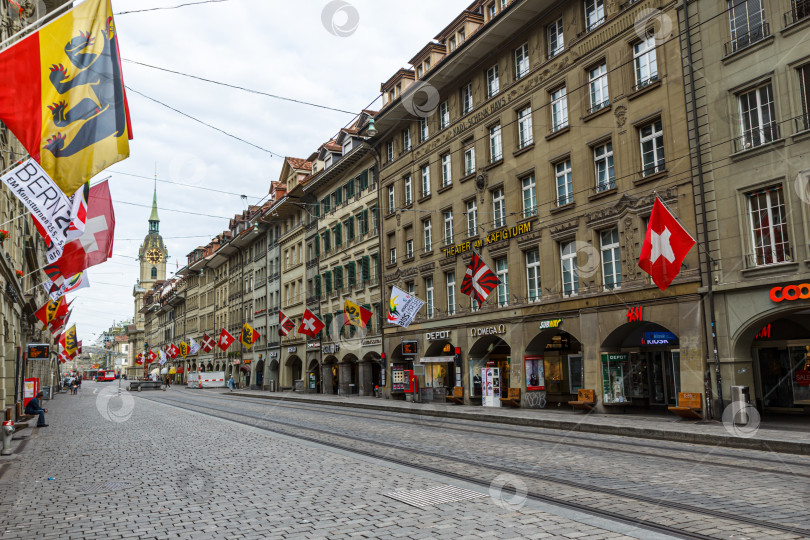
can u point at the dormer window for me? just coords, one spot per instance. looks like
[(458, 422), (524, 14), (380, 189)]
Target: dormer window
[(398, 90), (451, 43), (419, 72), (347, 145), (491, 10), (328, 161), (461, 36), (427, 65)]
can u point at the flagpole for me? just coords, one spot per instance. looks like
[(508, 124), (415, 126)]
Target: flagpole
[(665, 205)]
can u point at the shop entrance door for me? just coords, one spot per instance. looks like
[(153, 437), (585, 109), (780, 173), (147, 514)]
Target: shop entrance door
[(664, 370)]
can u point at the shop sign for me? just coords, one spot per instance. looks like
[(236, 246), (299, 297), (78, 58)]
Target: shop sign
[(273, 354), (436, 336), (764, 333), (658, 338), (368, 342), (313, 345), (552, 323), (634, 313), (497, 236), (790, 292), (803, 377), (409, 347), (332, 348), (495, 106), (488, 330), (292, 349)]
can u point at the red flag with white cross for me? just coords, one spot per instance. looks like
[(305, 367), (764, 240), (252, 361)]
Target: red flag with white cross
[(310, 324), (225, 340), (208, 343), (665, 246)]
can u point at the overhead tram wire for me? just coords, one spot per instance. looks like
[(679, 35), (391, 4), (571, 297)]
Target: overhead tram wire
[(159, 8), (237, 87)]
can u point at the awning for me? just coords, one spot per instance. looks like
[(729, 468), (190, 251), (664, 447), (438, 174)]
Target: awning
[(172, 371), (180, 369), (244, 368), (437, 359)]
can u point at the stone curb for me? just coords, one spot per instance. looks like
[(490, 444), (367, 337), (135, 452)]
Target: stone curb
[(764, 445)]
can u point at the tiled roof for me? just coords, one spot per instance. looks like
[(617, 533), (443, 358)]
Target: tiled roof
[(299, 163)]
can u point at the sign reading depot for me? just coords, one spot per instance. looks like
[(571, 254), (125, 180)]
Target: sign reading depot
[(497, 236)]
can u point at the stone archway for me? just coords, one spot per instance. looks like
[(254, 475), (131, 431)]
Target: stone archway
[(293, 371), (349, 379), (329, 375), (371, 370), (258, 377), (554, 364), (313, 379), (488, 350)]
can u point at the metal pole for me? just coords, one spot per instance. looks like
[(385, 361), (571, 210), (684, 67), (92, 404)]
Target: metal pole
[(704, 225)]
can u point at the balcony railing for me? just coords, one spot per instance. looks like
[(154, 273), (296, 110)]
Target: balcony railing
[(757, 137), (802, 122), (598, 106), (767, 256), (645, 82), (754, 35), (800, 9)]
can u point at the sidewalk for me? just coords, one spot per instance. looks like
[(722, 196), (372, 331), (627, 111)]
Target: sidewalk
[(790, 435)]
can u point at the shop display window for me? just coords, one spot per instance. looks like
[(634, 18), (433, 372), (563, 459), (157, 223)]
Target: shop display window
[(556, 370), (475, 376), (576, 373), (436, 376), (535, 373), (614, 367), (782, 377)]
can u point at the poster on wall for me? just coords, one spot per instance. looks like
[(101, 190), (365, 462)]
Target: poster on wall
[(491, 387), (613, 378), (397, 378), (535, 373)]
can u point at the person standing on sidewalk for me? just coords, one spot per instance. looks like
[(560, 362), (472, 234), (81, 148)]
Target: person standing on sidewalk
[(231, 383)]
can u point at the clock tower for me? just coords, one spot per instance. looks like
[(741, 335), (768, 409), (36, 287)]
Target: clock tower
[(153, 253)]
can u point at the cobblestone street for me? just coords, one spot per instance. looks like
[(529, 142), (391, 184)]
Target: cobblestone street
[(132, 468)]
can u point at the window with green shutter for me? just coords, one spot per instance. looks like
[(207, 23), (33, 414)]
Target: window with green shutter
[(327, 321), (338, 272), (317, 285), (363, 222), (337, 229), (340, 318), (350, 228), (338, 196), (327, 281), (325, 204), (363, 180), (366, 268), (350, 274), (317, 242), (327, 242), (349, 189)]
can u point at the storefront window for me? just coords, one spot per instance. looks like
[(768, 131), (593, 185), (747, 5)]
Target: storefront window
[(778, 367), (535, 373), (576, 373), (436, 375), (475, 376), (614, 367)]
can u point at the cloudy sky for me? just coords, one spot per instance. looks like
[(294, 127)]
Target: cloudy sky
[(274, 47)]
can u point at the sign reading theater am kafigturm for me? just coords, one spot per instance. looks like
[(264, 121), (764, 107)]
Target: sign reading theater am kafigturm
[(497, 236)]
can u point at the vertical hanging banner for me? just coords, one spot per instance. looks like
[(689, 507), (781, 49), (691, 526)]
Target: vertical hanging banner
[(49, 206), (63, 95)]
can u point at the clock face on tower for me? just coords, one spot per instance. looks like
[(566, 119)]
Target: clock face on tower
[(154, 256)]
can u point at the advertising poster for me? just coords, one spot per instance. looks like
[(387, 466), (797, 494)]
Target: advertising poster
[(535, 373), (491, 387)]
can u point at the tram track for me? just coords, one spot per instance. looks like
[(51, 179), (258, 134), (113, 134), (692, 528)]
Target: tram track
[(593, 500), (569, 439)]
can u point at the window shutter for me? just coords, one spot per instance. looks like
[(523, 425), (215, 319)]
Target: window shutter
[(363, 180), (338, 195), (317, 285), (327, 319), (366, 272), (350, 272), (350, 225), (338, 278), (327, 281), (364, 222), (317, 243), (341, 321), (350, 189)]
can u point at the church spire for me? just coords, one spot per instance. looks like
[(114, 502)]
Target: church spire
[(154, 220)]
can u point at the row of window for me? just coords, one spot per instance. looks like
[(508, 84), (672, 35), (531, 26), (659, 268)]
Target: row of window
[(333, 237), (329, 281), (346, 192), (645, 69)]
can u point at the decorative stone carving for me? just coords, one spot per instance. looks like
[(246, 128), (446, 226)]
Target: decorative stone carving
[(621, 116)]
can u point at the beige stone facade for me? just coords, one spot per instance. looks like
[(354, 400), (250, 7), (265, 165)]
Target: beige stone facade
[(545, 156)]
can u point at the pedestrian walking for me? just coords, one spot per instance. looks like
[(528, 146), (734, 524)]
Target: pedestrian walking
[(34, 407), (168, 382), (78, 384), (231, 383)]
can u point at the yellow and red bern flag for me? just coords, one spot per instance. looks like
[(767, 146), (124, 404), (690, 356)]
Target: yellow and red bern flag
[(183, 349), (355, 315), (248, 336), (62, 95), (71, 344)]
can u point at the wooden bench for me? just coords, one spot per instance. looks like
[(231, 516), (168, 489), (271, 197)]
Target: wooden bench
[(586, 400), (690, 405), (457, 397), (512, 398)]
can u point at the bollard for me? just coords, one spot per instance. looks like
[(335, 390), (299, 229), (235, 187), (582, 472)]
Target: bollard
[(8, 433)]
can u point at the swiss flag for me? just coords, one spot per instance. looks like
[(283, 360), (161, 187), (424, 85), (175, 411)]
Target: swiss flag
[(310, 324), (172, 350), (665, 246), (208, 343), (152, 357), (225, 340), (95, 245)]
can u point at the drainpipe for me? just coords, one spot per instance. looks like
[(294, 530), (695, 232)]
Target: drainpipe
[(705, 227)]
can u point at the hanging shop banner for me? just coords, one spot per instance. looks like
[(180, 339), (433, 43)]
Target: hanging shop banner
[(47, 203), (613, 365), (403, 307)]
